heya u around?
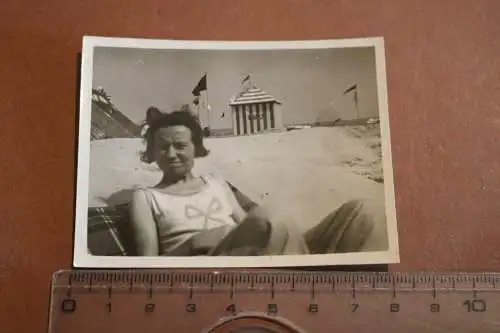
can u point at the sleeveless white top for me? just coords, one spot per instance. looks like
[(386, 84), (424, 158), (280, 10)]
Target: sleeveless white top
[(178, 216)]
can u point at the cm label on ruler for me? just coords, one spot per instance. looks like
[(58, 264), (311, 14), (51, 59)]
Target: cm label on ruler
[(233, 293)]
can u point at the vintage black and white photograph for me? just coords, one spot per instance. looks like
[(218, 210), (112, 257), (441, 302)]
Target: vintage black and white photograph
[(234, 154)]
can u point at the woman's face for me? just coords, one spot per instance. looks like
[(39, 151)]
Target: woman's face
[(174, 150)]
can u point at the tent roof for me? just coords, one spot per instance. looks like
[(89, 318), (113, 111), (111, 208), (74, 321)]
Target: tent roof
[(251, 96)]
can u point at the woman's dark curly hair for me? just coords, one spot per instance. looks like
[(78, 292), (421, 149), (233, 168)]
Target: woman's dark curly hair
[(156, 119)]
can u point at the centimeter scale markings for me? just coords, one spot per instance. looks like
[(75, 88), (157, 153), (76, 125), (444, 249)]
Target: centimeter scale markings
[(193, 301)]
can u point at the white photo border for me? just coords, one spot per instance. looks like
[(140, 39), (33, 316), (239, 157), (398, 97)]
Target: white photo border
[(83, 259)]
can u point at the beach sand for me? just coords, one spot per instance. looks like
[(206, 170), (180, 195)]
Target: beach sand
[(300, 176)]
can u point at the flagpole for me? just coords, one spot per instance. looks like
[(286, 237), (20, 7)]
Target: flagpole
[(208, 103), (198, 110), (356, 102), (354, 97)]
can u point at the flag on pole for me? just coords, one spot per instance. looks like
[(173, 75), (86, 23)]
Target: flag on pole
[(201, 86), (354, 88), (247, 78), (351, 88), (201, 101), (245, 84)]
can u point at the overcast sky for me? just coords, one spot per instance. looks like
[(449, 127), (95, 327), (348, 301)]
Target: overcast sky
[(309, 83)]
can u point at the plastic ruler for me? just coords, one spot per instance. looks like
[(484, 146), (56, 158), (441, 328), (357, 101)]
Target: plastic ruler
[(157, 301)]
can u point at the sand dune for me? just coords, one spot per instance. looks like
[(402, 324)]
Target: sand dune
[(299, 175)]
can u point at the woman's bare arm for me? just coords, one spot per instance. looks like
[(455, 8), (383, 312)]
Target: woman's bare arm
[(143, 225)]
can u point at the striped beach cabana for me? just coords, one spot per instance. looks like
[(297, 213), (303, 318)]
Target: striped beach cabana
[(255, 111)]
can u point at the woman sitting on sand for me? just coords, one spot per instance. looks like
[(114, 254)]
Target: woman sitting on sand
[(187, 215)]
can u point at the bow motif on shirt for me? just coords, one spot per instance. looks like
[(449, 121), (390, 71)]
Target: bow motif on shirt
[(193, 212)]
